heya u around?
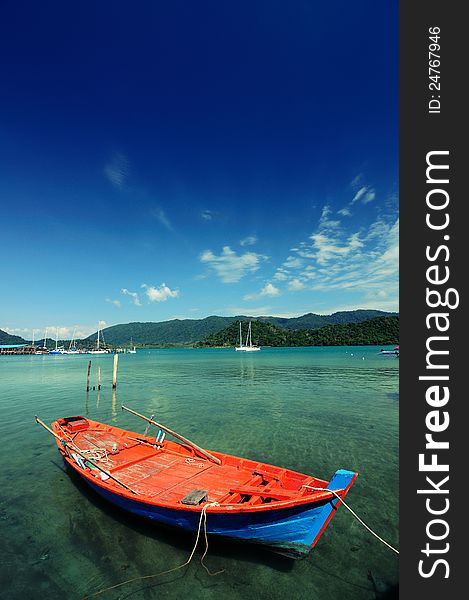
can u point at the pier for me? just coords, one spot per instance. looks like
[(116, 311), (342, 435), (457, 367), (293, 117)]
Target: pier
[(17, 349)]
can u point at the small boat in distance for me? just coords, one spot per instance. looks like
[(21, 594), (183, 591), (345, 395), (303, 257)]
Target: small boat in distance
[(393, 352), (72, 349), (248, 347), (175, 483), (57, 349), (98, 349), (132, 349)]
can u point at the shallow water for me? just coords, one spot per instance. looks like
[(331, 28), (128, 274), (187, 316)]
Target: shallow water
[(313, 410)]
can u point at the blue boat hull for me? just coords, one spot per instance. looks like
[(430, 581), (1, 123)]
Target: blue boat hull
[(292, 530)]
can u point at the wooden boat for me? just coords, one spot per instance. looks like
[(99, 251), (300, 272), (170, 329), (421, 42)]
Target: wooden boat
[(173, 483)]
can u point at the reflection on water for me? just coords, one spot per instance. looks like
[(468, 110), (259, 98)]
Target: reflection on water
[(313, 410)]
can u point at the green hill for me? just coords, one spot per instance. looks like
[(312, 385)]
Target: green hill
[(7, 338), (187, 332), (313, 321), (377, 331), (183, 332)]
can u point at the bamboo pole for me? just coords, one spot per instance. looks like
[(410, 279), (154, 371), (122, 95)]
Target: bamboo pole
[(88, 377), (75, 449), (114, 372), (176, 435)]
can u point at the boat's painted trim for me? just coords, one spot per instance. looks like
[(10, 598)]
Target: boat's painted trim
[(291, 530)]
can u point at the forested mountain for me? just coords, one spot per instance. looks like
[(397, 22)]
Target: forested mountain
[(376, 331), (7, 338), (177, 331), (186, 332), (313, 321)]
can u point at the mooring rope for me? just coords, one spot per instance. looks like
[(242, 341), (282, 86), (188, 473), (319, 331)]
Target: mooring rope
[(203, 518), (317, 489)]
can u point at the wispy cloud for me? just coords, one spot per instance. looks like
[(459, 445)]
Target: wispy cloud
[(356, 182), (207, 215), (115, 302), (161, 216), (250, 240), (230, 266), (344, 212), (63, 332), (258, 311), (337, 258), (160, 293), (117, 170), (268, 290), (135, 297), (295, 285)]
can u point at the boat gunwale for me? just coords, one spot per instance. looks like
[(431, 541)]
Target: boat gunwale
[(113, 487)]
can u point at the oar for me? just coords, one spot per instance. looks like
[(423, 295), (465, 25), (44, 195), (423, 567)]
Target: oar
[(176, 435), (75, 449)]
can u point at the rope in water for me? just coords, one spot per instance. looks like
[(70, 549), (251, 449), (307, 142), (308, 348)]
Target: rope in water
[(354, 514), (203, 519)]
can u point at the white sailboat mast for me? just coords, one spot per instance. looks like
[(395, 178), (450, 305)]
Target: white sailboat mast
[(249, 336), (72, 341)]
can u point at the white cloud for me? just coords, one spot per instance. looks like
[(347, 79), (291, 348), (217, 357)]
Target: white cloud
[(258, 311), (293, 262), (207, 215), (356, 181), (365, 195), (117, 170), (359, 194), (336, 258), (281, 274), (159, 214), (231, 267), (64, 332), (115, 302), (135, 297), (268, 290), (325, 221), (159, 294), (344, 212), (369, 196), (295, 285), (250, 240)]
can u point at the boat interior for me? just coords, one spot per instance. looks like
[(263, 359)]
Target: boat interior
[(169, 472)]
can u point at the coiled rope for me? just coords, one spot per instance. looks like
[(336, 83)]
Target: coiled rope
[(317, 489), (203, 518)]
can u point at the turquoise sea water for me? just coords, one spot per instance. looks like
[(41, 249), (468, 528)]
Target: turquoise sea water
[(313, 410)]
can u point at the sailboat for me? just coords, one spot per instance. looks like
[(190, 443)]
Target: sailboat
[(240, 347), (249, 347), (132, 349), (43, 349), (98, 350), (57, 349), (72, 349)]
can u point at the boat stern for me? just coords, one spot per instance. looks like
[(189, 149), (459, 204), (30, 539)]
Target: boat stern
[(341, 483)]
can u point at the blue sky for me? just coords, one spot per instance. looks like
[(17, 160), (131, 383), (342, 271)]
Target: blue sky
[(180, 159)]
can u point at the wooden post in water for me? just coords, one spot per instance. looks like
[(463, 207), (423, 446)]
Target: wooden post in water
[(99, 378), (88, 377), (114, 372)]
